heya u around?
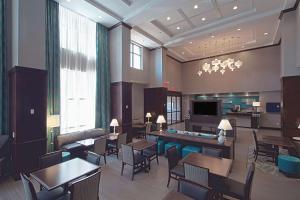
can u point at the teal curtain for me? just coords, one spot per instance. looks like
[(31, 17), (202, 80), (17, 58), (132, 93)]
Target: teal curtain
[(103, 78), (3, 73), (53, 62)]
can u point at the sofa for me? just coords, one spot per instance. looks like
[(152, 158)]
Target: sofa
[(68, 141)]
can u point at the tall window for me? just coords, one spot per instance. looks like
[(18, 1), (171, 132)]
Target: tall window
[(77, 71), (173, 109), (136, 56)]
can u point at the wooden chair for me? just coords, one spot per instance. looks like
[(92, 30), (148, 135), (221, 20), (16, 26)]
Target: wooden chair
[(263, 150), (175, 170), (93, 158), (137, 161), (239, 190), (115, 147), (196, 174), (143, 133), (193, 190), (100, 148), (86, 188), (151, 153), (31, 194), (50, 159)]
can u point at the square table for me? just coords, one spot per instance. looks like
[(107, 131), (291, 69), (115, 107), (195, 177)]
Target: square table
[(63, 173), (217, 166), (141, 145), (87, 142), (277, 141)]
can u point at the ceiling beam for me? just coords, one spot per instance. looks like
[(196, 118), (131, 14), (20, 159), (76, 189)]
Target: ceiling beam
[(136, 28), (161, 27), (127, 2), (183, 15), (216, 6), (105, 9)]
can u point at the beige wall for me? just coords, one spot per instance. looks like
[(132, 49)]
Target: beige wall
[(260, 72), (137, 101), (173, 74), (272, 120)]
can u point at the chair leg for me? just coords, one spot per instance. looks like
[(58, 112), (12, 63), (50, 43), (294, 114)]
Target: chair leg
[(105, 158), (117, 153), (157, 159), (122, 169), (169, 180)]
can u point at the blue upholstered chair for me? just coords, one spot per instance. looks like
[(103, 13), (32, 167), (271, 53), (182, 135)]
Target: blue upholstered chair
[(171, 144), (190, 149), (66, 156), (160, 146), (289, 165)]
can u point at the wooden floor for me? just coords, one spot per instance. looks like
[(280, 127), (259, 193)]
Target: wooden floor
[(152, 185)]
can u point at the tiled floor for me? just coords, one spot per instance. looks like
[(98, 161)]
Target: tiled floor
[(152, 185)]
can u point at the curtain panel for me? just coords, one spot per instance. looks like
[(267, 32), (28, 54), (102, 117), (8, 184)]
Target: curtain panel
[(3, 73), (103, 78), (52, 63)]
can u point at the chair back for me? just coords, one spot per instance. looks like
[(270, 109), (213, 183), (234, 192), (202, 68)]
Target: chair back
[(173, 158), (122, 139), (196, 174), (193, 190), (152, 138), (93, 158), (86, 188), (148, 127), (100, 146), (28, 188), (50, 159), (218, 153), (255, 140), (249, 180), (127, 154)]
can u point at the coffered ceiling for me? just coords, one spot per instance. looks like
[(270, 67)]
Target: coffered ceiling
[(191, 29)]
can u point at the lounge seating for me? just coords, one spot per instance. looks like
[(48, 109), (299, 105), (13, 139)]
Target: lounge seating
[(115, 147), (100, 148), (137, 161), (160, 146), (263, 150), (190, 149), (175, 170), (68, 141), (30, 192), (171, 144), (151, 153), (289, 165), (193, 190)]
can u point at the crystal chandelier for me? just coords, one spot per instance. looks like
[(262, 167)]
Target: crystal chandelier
[(217, 65)]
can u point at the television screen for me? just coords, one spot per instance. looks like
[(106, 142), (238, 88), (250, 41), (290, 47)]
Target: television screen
[(205, 108)]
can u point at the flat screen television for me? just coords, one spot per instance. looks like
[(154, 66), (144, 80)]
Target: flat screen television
[(205, 108)]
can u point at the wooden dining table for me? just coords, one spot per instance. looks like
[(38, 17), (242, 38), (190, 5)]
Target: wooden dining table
[(217, 166), (173, 195), (142, 145), (63, 173)]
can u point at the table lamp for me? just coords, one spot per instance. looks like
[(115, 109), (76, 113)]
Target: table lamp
[(224, 126), (148, 115), (53, 121), (114, 123), (160, 120)]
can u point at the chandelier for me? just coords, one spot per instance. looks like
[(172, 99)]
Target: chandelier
[(217, 65)]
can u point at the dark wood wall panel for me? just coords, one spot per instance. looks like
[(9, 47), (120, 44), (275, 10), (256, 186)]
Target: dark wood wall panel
[(121, 106), (290, 106)]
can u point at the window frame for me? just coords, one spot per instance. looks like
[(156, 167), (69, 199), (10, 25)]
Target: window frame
[(132, 53), (174, 112)]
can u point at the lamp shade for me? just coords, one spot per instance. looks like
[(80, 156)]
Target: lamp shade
[(148, 115), (161, 119), (114, 122), (256, 104), (299, 126), (225, 125), (53, 121)]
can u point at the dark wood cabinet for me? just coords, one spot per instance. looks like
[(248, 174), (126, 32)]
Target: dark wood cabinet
[(27, 117), (290, 106), (121, 107)]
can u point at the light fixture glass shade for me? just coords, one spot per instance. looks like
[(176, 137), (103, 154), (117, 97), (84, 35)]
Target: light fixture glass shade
[(53, 121), (225, 125), (114, 122), (148, 115), (256, 104), (161, 119), (299, 126)]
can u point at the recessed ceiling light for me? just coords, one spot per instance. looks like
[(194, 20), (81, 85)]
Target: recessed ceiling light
[(235, 7), (177, 27), (100, 17), (238, 29), (203, 19), (191, 42), (182, 53), (68, 0), (196, 6), (212, 36), (168, 18), (266, 33)]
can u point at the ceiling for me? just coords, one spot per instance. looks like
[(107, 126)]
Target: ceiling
[(191, 29)]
